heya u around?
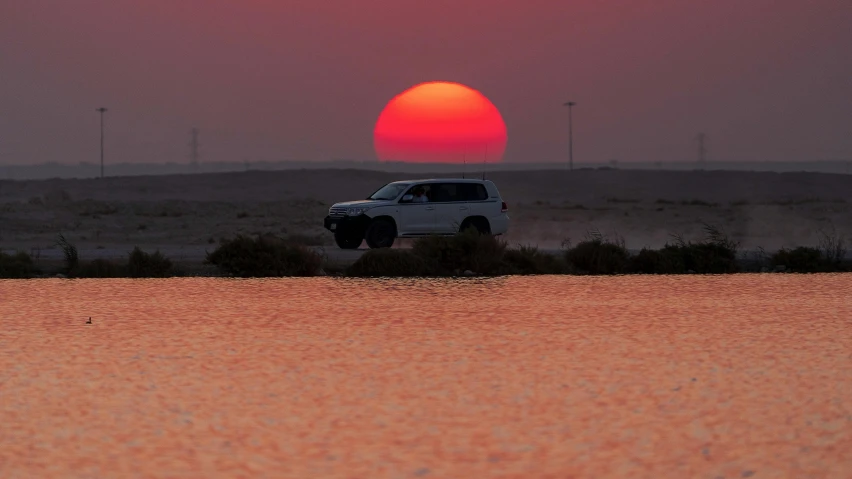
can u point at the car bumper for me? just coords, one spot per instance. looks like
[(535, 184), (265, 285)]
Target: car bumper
[(332, 224), (499, 224), (345, 223)]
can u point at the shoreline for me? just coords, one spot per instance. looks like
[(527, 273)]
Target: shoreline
[(339, 263)]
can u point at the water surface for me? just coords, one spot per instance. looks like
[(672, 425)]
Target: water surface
[(692, 376)]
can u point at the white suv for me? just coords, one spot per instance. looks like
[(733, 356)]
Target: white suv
[(416, 208)]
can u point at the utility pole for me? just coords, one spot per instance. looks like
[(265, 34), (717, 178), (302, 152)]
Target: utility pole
[(570, 105), (102, 110), (193, 145), (702, 151)]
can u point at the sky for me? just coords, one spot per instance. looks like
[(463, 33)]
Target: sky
[(269, 80)]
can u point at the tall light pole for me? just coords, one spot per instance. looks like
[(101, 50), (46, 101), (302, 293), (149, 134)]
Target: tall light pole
[(102, 110), (570, 104)]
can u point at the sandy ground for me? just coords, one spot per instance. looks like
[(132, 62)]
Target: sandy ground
[(186, 215)]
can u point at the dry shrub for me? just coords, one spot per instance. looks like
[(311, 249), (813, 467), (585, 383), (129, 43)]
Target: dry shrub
[(264, 256), (649, 261), (598, 255), (16, 266), (453, 255), (148, 265), (100, 268), (526, 260), (716, 254)]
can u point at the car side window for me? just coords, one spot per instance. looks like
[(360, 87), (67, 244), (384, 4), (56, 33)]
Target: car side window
[(474, 192), (447, 192), (426, 194)]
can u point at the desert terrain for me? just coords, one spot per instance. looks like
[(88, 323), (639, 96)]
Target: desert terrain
[(185, 215)]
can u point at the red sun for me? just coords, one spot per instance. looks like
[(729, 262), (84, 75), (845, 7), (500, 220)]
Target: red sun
[(440, 122)]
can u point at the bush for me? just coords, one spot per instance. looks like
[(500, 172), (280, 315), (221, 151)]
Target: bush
[(264, 256), (649, 261), (100, 268), (144, 265), (388, 263), (717, 254), (809, 260), (833, 248), (800, 260), (700, 258), (829, 257), (529, 260), (69, 251), (16, 266), (598, 255), (469, 250)]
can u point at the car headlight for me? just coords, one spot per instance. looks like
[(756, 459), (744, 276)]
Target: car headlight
[(357, 210)]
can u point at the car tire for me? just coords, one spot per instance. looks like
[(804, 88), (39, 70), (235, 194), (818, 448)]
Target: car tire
[(479, 224), (380, 234), (347, 240)]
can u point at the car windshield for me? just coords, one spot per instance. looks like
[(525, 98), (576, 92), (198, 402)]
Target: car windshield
[(388, 192)]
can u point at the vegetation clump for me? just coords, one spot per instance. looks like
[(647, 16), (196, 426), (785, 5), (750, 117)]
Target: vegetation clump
[(139, 265), (16, 266), (828, 257), (148, 265), (598, 255), (649, 261), (527, 260), (463, 254), (803, 259), (467, 251), (100, 268), (69, 251), (716, 254), (264, 256)]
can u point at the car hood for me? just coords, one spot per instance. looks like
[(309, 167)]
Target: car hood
[(350, 204)]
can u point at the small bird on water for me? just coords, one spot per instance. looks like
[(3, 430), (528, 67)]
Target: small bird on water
[(89, 321)]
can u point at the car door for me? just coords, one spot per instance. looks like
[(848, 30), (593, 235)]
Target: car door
[(450, 207), (478, 202), (415, 218)]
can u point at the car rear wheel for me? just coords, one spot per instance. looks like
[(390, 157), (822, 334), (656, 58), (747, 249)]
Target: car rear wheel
[(479, 224), (381, 233), (347, 240)]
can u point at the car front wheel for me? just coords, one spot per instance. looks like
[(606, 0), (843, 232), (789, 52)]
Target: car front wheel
[(381, 234)]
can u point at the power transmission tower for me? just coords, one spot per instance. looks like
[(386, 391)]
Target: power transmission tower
[(570, 105), (702, 150), (102, 110), (193, 149)]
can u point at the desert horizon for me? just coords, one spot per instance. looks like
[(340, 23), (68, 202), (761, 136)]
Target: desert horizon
[(84, 170)]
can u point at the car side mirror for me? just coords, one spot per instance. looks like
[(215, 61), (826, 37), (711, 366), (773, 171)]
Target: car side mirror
[(407, 198)]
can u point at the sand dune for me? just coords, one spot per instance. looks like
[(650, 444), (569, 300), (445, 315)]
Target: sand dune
[(192, 212)]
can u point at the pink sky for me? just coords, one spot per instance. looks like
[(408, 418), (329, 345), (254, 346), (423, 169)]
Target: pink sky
[(306, 80)]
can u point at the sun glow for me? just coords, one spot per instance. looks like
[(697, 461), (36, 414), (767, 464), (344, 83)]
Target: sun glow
[(442, 122)]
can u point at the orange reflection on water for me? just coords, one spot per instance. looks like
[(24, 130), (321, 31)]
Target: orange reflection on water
[(520, 377)]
